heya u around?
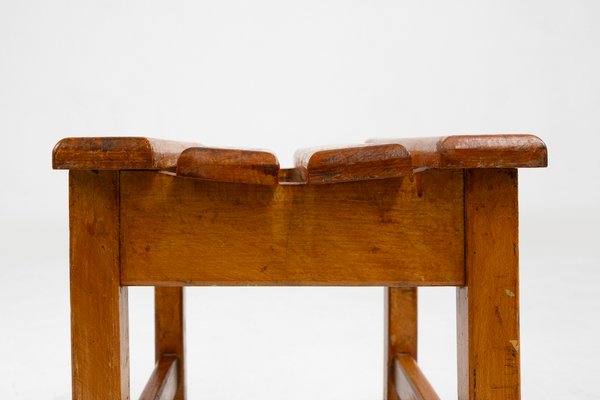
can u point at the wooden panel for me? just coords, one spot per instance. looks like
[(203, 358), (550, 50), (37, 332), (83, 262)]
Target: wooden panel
[(410, 382), (162, 384), (188, 232), (170, 330), (354, 163), (228, 165), (401, 330), (99, 327), (488, 307), (116, 153), (474, 151)]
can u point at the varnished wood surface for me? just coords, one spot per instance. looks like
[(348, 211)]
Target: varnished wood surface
[(401, 330), (410, 382), (474, 151), (488, 307), (380, 159), (116, 153), (227, 165), (225, 221), (354, 163), (162, 384), (169, 319), (99, 323), (188, 232)]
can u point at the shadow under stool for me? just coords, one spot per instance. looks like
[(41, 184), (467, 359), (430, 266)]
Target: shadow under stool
[(397, 213)]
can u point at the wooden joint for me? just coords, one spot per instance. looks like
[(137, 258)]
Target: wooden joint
[(409, 380), (162, 384)]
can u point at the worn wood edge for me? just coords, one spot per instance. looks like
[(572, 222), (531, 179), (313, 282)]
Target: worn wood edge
[(116, 153), (409, 380), (162, 384), (354, 163), (424, 151), (493, 151), (475, 151), (229, 165)]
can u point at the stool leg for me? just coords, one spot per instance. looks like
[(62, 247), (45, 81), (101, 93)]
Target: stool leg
[(99, 323), (400, 330), (170, 331), (488, 307)]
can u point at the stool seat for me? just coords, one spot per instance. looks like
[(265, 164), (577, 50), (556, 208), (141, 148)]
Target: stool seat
[(377, 159), (149, 212)]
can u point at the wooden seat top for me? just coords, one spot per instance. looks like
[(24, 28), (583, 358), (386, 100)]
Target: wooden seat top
[(377, 159)]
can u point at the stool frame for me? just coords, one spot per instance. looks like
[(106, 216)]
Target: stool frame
[(394, 213)]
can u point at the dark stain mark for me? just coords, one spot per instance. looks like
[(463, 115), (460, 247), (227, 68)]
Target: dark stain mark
[(263, 268), (497, 313), (419, 184), (147, 248), (375, 249)]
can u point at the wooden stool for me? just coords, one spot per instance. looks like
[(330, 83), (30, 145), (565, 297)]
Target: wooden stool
[(398, 213)]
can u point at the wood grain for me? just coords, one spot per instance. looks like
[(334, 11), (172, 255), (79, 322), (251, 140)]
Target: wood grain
[(297, 175), (354, 163), (488, 307), (187, 232), (162, 384), (116, 153), (170, 331), (474, 151), (228, 165), (410, 382), (99, 323), (401, 331)]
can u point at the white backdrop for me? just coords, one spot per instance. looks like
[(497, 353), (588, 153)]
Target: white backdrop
[(283, 75)]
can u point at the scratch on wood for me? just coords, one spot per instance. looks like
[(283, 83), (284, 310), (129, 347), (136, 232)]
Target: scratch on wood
[(497, 313)]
